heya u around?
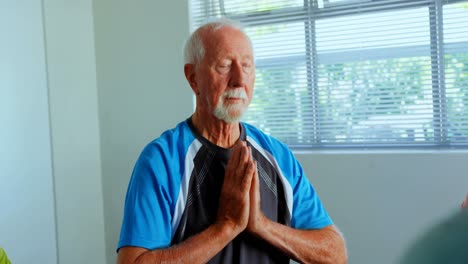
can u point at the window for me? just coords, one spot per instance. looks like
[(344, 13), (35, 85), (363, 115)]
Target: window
[(355, 73)]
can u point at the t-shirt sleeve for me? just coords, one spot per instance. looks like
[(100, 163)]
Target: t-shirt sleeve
[(147, 213), (308, 210)]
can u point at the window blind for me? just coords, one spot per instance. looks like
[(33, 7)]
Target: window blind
[(355, 73)]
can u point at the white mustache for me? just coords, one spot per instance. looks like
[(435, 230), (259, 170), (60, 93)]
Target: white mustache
[(236, 93)]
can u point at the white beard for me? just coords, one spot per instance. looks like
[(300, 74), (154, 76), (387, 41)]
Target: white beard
[(231, 113)]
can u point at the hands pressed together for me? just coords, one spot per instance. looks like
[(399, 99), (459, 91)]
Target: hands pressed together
[(239, 205), (240, 210)]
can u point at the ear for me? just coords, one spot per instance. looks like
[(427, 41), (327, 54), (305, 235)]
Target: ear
[(189, 70)]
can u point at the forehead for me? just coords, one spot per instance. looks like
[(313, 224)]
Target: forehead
[(227, 41)]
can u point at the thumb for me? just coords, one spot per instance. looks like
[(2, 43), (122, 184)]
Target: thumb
[(254, 187), (465, 202)]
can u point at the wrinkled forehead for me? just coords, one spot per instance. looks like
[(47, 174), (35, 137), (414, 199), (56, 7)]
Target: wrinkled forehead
[(226, 40)]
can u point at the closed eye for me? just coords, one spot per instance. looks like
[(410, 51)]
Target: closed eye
[(247, 67), (224, 68)]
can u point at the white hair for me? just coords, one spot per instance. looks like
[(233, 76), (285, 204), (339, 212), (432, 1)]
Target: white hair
[(194, 49)]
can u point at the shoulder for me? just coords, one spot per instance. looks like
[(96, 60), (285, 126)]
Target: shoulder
[(264, 140), (170, 142), (162, 162), (165, 155), (273, 150)]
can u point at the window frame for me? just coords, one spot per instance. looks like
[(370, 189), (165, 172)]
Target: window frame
[(311, 12)]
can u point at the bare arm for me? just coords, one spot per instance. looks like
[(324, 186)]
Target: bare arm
[(197, 249), (306, 246), (232, 219), (324, 245)]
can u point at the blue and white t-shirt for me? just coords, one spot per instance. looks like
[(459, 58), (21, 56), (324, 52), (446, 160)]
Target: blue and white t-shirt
[(176, 183)]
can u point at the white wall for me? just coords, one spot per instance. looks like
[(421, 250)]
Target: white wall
[(75, 131), (27, 218), (142, 90), (50, 194), (382, 200)]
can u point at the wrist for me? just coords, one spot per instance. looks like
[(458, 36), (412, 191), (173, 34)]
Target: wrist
[(261, 226), (227, 229)]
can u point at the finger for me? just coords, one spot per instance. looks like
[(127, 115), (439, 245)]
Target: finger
[(255, 174), (255, 167), (465, 202), (243, 158), (242, 151), (250, 170), (235, 155), (246, 155), (255, 191)]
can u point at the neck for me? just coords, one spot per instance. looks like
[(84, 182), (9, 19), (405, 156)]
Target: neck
[(216, 131)]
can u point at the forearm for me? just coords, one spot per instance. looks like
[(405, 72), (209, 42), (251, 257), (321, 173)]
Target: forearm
[(199, 248), (306, 246), (232, 218)]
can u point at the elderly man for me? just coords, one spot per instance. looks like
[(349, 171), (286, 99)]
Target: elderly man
[(216, 190)]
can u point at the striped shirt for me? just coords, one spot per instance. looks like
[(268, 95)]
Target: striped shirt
[(176, 183)]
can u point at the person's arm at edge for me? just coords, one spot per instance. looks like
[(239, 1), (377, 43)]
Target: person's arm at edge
[(324, 245), (198, 249), (464, 204), (232, 219)]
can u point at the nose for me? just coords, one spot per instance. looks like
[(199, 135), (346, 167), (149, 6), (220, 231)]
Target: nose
[(238, 76)]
